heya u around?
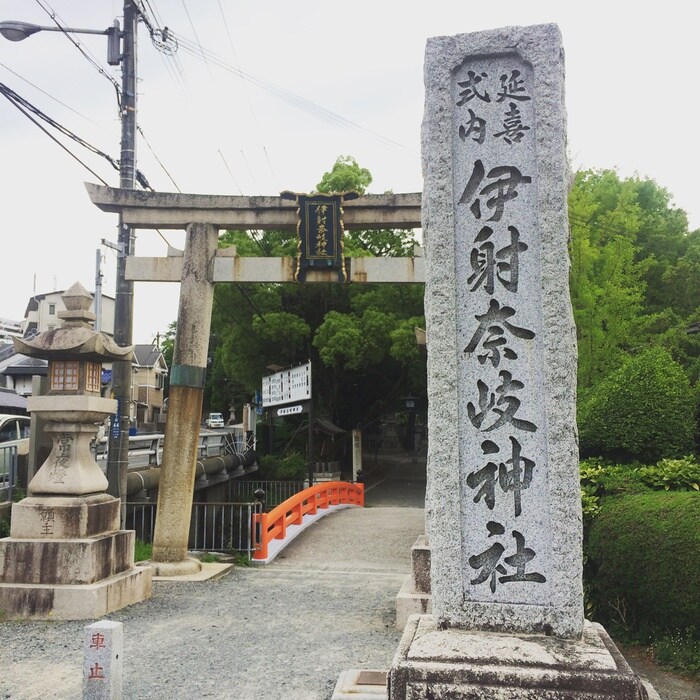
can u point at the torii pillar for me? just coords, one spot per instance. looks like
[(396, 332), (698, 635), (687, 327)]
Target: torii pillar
[(187, 376)]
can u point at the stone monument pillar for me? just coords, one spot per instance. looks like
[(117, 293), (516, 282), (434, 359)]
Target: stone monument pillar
[(503, 511), (66, 557)]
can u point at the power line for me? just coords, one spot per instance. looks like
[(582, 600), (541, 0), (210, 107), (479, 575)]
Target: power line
[(153, 153), (28, 109), (51, 136), (591, 225), (194, 31), (25, 106), (163, 40), (286, 95), (55, 99), (235, 182), (246, 92)]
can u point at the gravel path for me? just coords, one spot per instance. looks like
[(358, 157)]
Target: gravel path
[(282, 631)]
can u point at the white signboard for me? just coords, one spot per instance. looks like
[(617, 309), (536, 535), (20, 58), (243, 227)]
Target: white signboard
[(290, 386), (290, 410)]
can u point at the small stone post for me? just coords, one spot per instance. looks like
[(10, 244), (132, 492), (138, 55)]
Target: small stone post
[(356, 453), (103, 662), (503, 509)]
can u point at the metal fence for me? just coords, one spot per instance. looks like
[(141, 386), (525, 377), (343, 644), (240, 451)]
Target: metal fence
[(8, 472), (214, 527), (276, 492)]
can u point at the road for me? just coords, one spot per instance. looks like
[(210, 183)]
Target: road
[(396, 480)]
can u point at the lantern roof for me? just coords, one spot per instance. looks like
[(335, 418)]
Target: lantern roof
[(76, 338)]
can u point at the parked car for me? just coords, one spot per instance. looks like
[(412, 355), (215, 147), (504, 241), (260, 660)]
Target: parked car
[(215, 420)]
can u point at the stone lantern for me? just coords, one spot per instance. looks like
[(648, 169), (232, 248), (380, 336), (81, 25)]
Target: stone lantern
[(66, 557)]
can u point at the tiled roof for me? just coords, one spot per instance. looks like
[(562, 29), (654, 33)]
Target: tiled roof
[(147, 355), (9, 399)]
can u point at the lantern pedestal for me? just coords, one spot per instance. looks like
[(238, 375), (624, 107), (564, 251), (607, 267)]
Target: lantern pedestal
[(70, 468), (67, 559)]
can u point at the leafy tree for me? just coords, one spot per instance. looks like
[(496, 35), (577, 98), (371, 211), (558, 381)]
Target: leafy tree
[(345, 176), (607, 282), (357, 336), (634, 273)]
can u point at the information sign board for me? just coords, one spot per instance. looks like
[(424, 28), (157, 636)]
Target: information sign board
[(289, 386)]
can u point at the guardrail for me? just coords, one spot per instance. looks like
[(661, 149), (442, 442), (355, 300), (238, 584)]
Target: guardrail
[(274, 530), (8, 472), (147, 450), (275, 491)]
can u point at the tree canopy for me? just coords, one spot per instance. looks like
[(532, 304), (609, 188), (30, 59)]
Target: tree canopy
[(635, 285), (358, 337)]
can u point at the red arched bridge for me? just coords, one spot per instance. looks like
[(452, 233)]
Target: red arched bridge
[(260, 519)]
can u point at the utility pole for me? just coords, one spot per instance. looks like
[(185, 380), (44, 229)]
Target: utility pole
[(118, 456), (98, 290)]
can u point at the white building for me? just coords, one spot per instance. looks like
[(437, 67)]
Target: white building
[(42, 313)]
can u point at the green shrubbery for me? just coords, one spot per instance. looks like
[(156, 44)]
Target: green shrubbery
[(642, 554), (143, 551), (644, 411), (293, 467)]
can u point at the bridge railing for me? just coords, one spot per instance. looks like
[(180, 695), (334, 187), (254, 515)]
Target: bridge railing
[(147, 450), (214, 527), (242, 526), (274, 525)]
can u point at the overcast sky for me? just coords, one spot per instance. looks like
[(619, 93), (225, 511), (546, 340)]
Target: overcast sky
[(321, 80)]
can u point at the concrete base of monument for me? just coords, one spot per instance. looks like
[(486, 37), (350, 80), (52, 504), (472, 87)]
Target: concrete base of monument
[(20, 601), (466, 665), (66, 559), (415, 598), (356, 684), (409, 602), (186, 567)]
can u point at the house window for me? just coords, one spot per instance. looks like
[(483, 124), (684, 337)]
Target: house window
[(64, 376), (52, 309), (159, 381)]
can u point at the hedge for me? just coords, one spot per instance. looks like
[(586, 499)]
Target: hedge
[(643, 561), (645, 411)]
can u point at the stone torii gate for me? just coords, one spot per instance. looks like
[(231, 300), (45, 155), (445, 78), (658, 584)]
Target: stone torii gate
[(198, 268)]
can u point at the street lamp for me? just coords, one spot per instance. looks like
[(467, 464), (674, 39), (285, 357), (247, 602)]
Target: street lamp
[(18, 31), (118, 458)]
